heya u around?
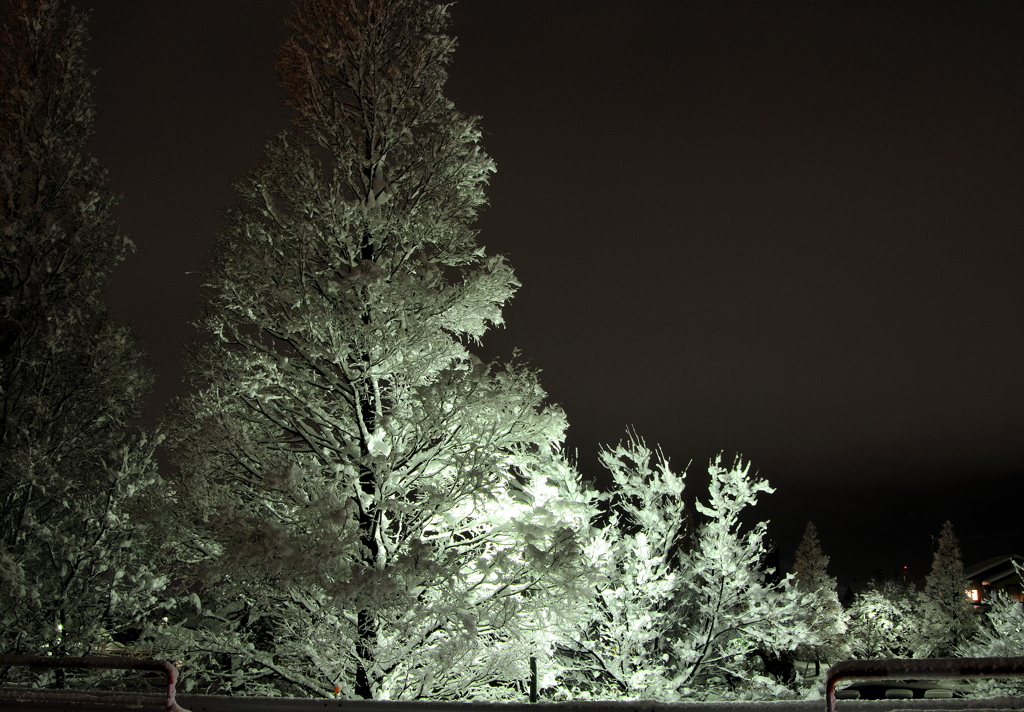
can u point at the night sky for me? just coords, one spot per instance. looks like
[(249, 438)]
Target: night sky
[(789, 230)]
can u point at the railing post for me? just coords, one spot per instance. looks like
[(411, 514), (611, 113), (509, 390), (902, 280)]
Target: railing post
[(533, 678)]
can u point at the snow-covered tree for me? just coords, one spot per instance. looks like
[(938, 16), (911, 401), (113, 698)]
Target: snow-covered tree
[(732, 609), (826, 617), (74, 472), (619, 647), (947, 617), (883, 621), (682, 608), (378, 510), (1000, 633)]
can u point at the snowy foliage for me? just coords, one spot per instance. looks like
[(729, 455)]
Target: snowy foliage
[(895, 620), (76, 479), (826, 617), (682, 608), (734, 610), (883, 622), (619, 648), (361, 506), (377, 509), (946, 617), (1000, 633)]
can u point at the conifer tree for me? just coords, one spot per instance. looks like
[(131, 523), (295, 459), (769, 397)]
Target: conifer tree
[(380, 511), (947, 616), (826, 619), (74, 472)]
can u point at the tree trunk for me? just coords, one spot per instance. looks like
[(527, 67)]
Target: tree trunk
[(366, 619), (366, 638)]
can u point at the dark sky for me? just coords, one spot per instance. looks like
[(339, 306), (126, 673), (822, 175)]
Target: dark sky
[(791, 230)]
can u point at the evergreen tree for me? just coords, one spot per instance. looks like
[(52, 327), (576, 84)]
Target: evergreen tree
[(826, 618), (75, 474), (380, 511), (947, 616)]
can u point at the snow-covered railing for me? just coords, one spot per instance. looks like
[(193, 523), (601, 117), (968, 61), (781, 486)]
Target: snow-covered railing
[(96, 661), (935, 667)]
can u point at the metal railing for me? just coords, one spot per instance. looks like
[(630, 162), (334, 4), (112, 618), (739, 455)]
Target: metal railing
[(929, 668), (96, 661), (845, 670)]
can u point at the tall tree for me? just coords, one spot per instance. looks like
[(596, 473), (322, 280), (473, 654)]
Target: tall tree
[(74, 472), (826, 618), (947, 616), (385, 513)]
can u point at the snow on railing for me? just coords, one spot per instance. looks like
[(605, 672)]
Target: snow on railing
[(96, 661), (935, 667)]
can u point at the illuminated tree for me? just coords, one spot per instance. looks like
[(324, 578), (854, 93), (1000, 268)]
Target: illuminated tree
[(883, 622), (618, 648), (74, 472), (946, 616), (1000, 633), (733, 610), (682, 606), (382, 512), (826, 617)]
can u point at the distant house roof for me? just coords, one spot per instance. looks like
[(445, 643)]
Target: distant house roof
[(992, 572)]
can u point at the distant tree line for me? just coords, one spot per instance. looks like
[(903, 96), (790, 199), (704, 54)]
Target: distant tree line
[(359, 506)]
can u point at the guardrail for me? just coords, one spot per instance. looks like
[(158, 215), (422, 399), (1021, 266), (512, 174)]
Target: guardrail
[(96, 661), (935, 667), (847, 669)]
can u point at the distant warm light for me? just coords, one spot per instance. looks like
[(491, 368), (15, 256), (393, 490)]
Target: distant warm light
[(974, 595)]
